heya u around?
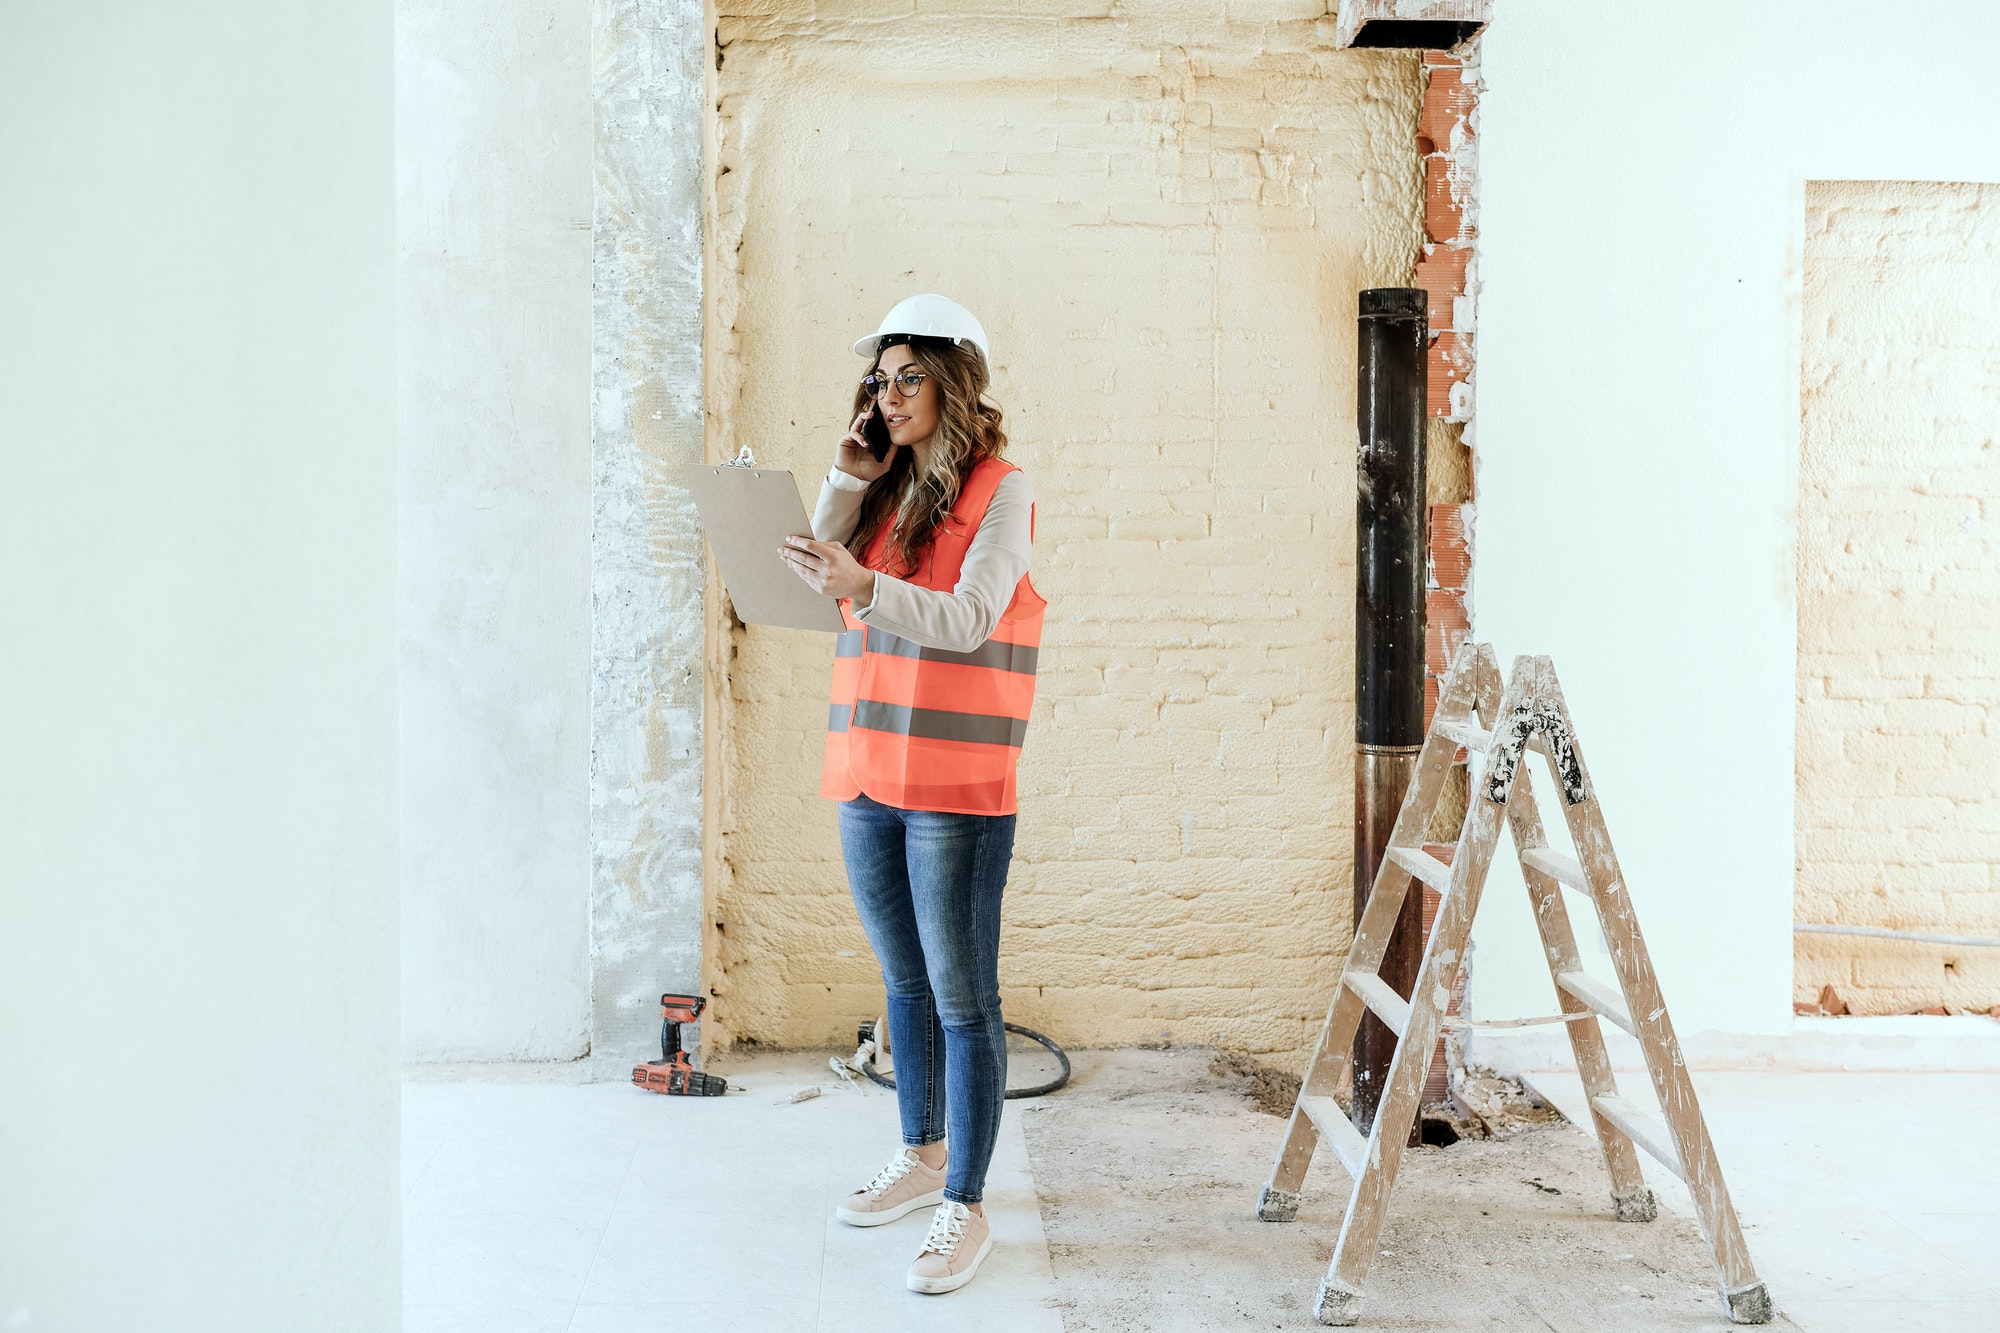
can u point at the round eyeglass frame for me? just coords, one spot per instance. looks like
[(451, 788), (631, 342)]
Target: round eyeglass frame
[(909, 381)]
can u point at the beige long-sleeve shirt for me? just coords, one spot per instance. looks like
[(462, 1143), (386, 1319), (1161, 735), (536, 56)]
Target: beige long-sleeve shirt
[(960, 620)]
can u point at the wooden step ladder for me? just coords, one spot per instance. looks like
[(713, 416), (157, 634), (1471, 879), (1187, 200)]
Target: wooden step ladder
[(1474, 712)]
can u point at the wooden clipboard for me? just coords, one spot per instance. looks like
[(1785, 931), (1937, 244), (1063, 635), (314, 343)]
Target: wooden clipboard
[(747, 512)]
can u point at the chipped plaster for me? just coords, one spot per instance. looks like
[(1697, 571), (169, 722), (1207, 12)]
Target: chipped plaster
[(646, 902)]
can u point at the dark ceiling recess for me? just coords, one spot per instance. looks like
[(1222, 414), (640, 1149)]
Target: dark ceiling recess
[(1416, 34)]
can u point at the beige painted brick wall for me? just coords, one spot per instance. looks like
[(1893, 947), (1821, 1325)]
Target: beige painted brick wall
[(1163, 222), (1898, 813)]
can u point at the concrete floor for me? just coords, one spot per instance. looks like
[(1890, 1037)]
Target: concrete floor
[(1871, 1201), (598, 1208)]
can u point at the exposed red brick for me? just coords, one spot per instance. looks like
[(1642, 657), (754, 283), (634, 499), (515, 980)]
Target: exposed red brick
[(1443, 219), (1450, 363), (1452, 352), (1441, 272), (1437, 1079), (1451, 558), (1445, 628), (1447, 102)]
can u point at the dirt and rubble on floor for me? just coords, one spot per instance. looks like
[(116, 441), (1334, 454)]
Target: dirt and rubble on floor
[(1483, 1104), (1266, 1087), (1148, 1167), (1496, 1107)]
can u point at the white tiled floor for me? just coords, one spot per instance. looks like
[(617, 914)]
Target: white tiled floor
[(1871, 1201), (533, 1208)]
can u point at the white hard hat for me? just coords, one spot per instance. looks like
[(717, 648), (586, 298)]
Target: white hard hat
[(927, 316)]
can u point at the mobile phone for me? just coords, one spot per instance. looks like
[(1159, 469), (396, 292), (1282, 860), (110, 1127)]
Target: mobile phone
[(875, 433)]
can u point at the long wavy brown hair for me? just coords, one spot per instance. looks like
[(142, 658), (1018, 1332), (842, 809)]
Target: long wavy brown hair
[(968, 433)]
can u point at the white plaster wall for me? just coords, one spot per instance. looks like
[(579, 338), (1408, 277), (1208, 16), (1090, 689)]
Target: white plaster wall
[(1643, 179), (493, 177), (198, 847)]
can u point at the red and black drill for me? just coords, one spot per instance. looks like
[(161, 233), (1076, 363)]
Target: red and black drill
[(673, 1073)]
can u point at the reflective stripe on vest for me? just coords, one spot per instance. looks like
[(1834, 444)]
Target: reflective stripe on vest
[(923, 728), (931, 723)]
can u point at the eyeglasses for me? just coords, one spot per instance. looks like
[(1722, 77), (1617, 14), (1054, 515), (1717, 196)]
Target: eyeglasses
[(907, 382)]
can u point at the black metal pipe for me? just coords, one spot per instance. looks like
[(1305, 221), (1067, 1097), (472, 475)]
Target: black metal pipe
[(1388, 633)]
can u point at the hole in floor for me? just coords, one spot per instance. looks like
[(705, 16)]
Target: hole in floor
[(1439, 1133)]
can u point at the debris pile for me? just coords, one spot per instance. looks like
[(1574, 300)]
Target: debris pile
[(1269, 1089), (1503, 1106), (1482, 1104)]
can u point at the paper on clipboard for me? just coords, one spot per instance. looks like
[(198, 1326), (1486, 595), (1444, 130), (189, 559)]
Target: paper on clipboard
[(747, 512)]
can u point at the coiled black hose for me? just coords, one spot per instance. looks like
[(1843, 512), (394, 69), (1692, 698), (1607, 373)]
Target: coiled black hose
[(1039, 1090)]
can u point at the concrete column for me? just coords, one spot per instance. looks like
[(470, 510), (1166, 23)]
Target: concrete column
[(647, 558)]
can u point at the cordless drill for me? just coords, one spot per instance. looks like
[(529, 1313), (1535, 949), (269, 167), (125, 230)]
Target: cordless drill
[(673, 1073)]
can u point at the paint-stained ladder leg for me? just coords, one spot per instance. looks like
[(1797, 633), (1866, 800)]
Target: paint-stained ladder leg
[(1339, 1299), (1279, 1199), (1631, 1200), (1744, 1297)]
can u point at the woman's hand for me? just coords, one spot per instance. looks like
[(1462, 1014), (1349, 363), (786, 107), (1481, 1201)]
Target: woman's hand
[(853, 457), (828, 567)]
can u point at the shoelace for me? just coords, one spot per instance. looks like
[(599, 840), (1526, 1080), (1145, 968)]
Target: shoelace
[(947, 1227), (890, 1174)]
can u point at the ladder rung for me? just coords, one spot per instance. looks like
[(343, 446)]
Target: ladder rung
[(1599, 997), (1471, 737), (1641, 1128), (1562, 868), (1338, 1130), (1378, 995), (1423, 865)]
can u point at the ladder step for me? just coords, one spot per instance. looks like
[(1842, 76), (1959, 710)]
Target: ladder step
[(1423, 865), (1563, 869), (1471, 737), (1378, 995), (1338, 1130), (1599, 997), (1642, 1129)]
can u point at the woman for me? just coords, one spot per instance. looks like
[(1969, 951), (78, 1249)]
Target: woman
[(927, 547)]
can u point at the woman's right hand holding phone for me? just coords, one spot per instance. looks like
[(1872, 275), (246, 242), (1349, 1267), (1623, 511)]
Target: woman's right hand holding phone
[(853, 457)]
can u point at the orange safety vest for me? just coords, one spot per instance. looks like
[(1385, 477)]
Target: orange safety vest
[(925, 729)]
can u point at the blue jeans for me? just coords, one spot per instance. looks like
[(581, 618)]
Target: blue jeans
[(928, 888)]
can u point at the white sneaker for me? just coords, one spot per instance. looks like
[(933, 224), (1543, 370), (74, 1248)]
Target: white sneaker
[(958, 1241), (898, 1190)]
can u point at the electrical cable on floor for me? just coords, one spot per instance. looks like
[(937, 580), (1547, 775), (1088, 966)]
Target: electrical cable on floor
[(1038, 1090)]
